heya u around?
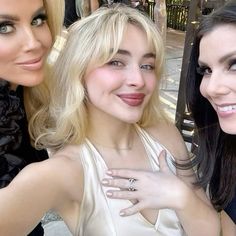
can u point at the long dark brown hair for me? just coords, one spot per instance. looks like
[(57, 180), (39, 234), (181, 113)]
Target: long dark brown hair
[(216, 153)]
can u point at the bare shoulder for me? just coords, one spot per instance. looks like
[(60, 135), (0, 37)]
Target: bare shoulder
[(168, 135), (39, 187), (58, 173)]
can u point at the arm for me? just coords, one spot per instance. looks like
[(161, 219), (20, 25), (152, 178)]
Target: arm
[(34, 191), (197, 214), (168, 191)]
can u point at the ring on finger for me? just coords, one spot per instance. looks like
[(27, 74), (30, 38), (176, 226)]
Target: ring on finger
[(131, 184)]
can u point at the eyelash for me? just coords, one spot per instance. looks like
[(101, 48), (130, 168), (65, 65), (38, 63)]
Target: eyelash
[(115, 63), (232, 63), (42, 17), (5, 24), (147, 67), (119, 64), (201, 70)]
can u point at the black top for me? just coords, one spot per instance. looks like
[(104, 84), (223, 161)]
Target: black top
[(231, 209), (15, 149)]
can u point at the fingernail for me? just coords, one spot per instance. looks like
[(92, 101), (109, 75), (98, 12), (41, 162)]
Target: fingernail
[(109, 194), (109, 172), (104, 181), (122, 213)]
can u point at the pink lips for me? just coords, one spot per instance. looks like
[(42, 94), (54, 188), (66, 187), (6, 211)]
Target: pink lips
[(226, 110), (34, 64), (132, 99)]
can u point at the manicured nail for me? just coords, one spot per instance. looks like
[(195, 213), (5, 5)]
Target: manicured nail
[(109, 172), (104, 181), (122, 213), (109, 194)]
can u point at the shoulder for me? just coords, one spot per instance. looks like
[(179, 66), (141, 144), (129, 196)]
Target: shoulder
[(55, 178), (39, 187), (69, 170), (168, 135)]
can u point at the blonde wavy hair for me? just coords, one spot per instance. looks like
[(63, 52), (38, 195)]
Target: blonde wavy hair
[(38, 95), (91, 42)]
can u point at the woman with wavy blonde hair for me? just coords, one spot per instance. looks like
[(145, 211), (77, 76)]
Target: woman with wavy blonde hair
[(27, 31), (104, 112)]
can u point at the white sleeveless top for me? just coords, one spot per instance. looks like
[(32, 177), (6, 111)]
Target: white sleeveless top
[(99, 215)]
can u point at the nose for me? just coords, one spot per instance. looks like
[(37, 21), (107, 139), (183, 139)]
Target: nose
[(31, 42), (135, 77), (216, 85)]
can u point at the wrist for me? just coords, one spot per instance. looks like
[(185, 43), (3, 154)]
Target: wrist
[(186, 196)]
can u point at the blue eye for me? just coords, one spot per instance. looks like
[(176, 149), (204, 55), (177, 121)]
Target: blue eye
[(6, 27), (115, 63), (39, 20), (147, 67)]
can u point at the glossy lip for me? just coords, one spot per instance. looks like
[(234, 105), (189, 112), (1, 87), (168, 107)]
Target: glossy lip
[(225, 113), (32, 64), (132, 99)]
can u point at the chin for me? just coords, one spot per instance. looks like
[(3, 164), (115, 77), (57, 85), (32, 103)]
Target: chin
[(229, 129), (34, 80)]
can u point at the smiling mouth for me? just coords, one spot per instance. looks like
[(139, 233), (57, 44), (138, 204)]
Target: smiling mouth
[(226, 108), (32, 65), (132, 99)]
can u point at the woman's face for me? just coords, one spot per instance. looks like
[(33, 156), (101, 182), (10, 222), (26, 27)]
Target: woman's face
[(217, 63), (122, 87), (25, 39)]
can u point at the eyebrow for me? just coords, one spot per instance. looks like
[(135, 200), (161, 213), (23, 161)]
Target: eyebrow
[(9, 17), (16, 18), (222, 59), (125, 52), (227, 56)]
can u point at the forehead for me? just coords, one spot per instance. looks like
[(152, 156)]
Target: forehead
[(136, 37), (221, 40), (16, 7)]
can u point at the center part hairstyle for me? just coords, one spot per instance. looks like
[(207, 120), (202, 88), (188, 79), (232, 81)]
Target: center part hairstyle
[(38, 95), (216, 152), (91, 42)]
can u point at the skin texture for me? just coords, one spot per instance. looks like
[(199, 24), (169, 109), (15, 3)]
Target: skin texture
[(219, 85), (127, 81), (24, 41), (219, 68), (228, 226)]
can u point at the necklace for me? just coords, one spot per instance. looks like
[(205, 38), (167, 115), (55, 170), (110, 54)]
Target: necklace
[(129, 147)]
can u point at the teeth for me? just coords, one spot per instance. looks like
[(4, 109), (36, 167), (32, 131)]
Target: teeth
[(227, 108)]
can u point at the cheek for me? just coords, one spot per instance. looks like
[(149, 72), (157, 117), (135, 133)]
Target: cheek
[(100, 80), (151, 84), (46, 38), (203, 87), (8, 51)]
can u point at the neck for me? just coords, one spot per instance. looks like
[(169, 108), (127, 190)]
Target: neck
[(118, 138)]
